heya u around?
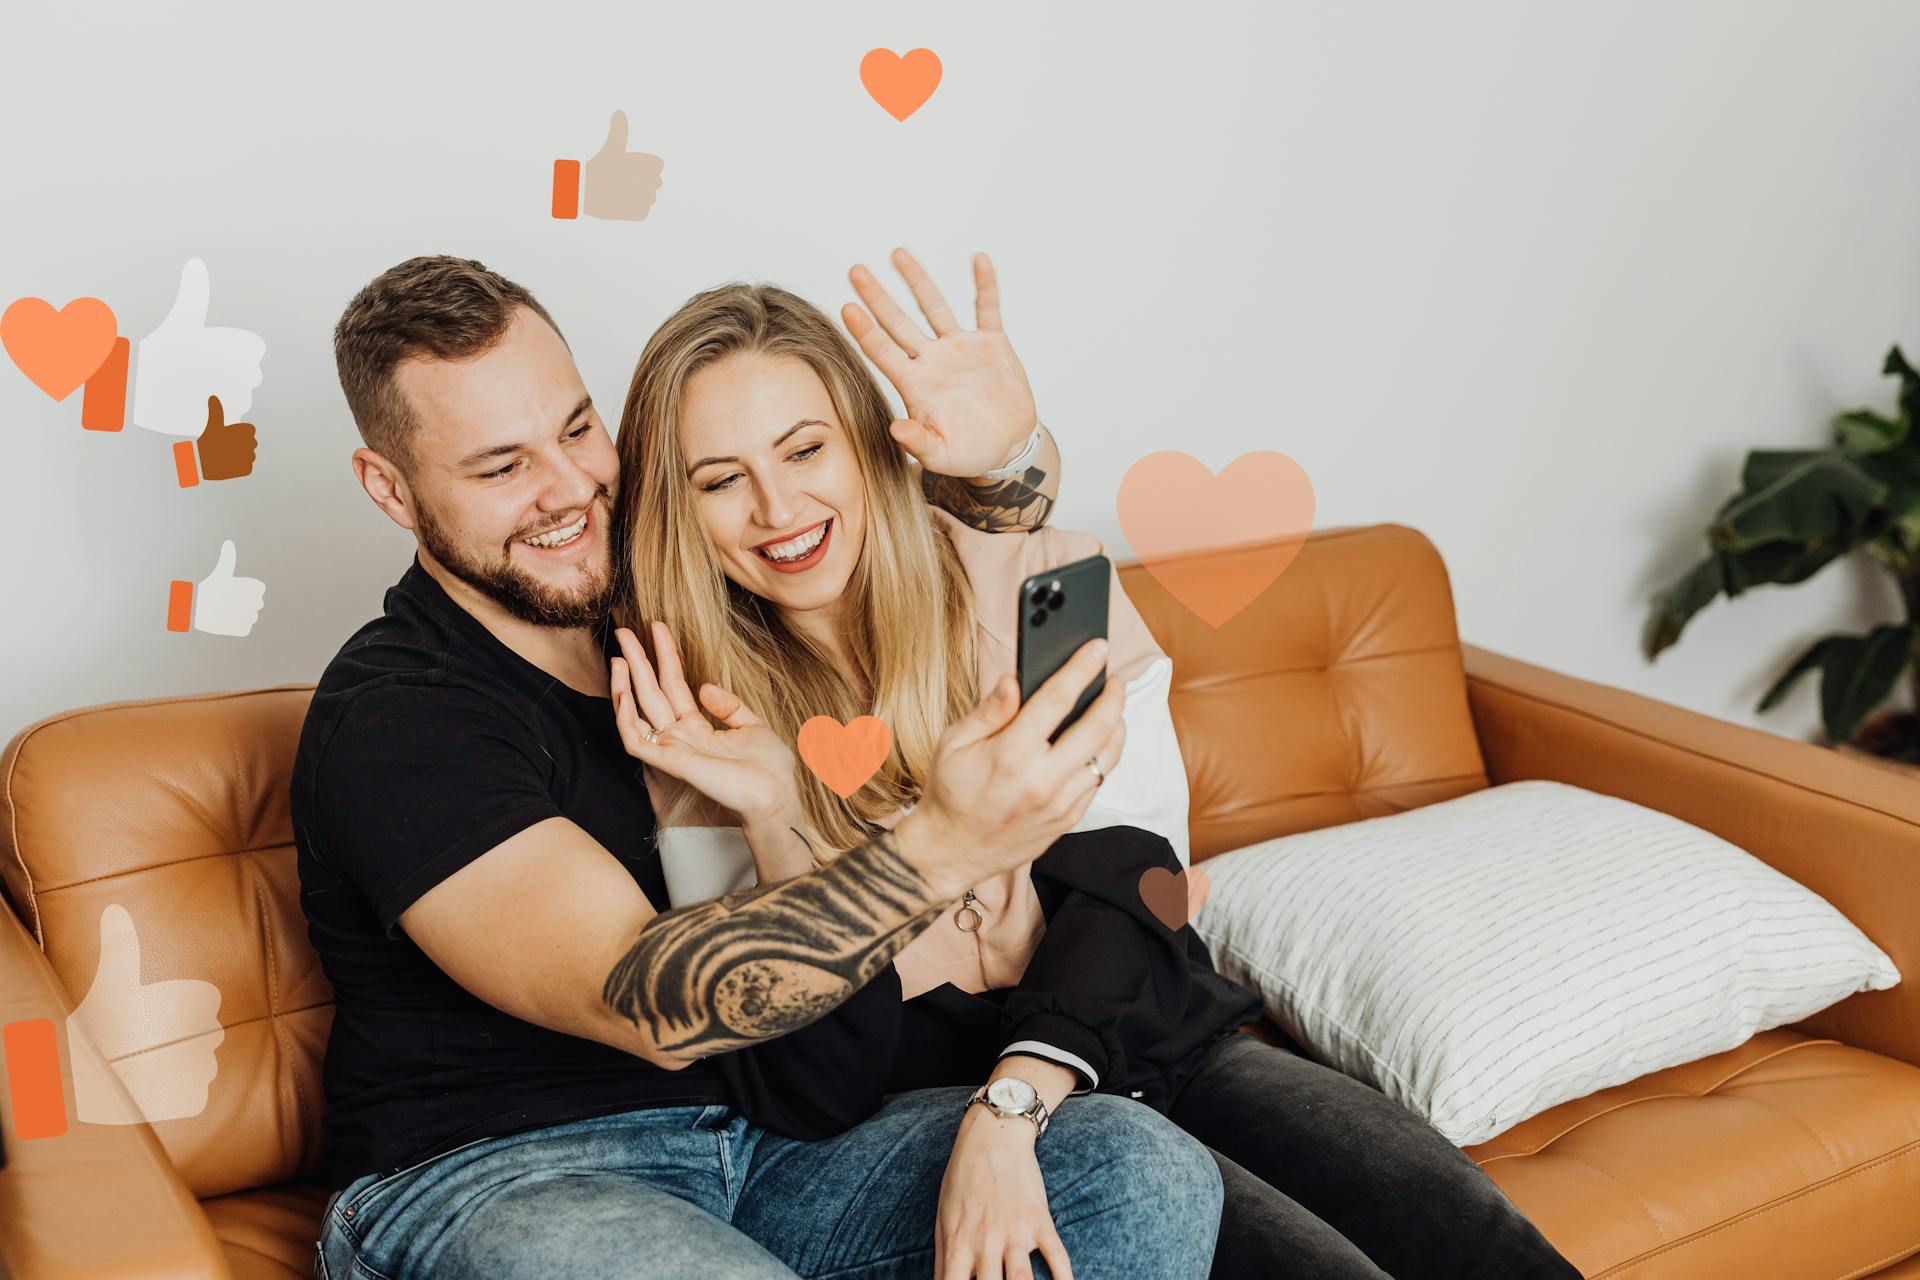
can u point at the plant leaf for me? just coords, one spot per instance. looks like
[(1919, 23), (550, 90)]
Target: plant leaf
[(1764, 466), (1864, 431), (1673, 607), (1856, 675), (1777, 564), (1896, 363), (1817, 654), (1822, 499), (1850, 690)]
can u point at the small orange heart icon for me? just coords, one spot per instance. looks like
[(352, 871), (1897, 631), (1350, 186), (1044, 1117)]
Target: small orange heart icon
[(1174, 899), (844, 756), (58, 350), (900, 83), (1216, 542)]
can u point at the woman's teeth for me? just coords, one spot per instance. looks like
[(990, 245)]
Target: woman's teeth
[(795, 548), (559, 537)]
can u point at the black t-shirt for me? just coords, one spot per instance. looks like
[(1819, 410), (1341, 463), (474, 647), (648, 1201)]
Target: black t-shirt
[(428, 743)]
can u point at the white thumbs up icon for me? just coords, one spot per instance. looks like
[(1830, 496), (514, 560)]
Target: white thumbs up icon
[(184, 361), (220, 604), (157, 1037)]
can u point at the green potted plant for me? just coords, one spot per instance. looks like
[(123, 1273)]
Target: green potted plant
[(1799, 510)]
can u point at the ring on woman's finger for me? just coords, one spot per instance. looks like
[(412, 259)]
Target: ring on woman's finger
[(1099, 774)]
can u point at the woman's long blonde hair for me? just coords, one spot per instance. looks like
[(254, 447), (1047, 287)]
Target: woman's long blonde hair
[(908, 606)]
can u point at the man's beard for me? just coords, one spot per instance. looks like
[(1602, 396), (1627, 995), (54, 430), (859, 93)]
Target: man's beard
[(519, 593)]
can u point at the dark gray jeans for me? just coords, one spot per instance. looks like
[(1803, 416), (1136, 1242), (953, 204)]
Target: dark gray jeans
[(1326, 1177)]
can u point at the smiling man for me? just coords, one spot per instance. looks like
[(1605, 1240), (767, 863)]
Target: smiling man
[(533, 1069)]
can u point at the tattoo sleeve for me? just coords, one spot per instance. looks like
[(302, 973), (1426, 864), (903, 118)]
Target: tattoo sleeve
[(1022, 502), (754, 965)]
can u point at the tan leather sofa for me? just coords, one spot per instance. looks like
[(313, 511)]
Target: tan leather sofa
[(1342, 693)]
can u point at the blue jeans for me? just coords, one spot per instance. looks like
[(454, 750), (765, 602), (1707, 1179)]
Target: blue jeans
[(695, 1191)]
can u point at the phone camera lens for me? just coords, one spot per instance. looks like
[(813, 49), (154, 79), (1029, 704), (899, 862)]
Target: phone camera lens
[(1039, 618), (1057, 599)]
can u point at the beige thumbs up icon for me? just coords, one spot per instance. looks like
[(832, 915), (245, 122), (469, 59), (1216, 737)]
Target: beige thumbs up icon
[(620, 184), (157, 1037)]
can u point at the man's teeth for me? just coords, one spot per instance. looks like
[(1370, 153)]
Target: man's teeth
[(795, 548), (559, 537)]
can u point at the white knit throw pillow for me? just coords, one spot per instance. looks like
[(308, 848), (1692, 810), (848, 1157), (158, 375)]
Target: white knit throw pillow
[(1489, 957)]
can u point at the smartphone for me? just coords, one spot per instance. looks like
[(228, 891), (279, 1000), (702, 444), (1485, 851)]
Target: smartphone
[(1060, 610)]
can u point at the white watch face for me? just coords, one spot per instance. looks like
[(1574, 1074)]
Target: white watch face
[(1009, 1094)]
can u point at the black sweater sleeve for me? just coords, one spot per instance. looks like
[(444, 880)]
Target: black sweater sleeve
[(826, 1077), (1109, 980)]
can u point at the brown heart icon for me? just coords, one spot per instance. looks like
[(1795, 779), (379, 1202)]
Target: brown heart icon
[(1173, 898)]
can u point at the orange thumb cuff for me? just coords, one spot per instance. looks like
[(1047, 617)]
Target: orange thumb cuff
[(566, 188), (104, 407), (179, 605), (184, 467)]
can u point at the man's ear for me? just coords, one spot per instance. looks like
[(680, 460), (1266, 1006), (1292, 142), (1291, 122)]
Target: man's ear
[(386, 484)]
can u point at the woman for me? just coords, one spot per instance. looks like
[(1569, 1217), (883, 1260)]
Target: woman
[(779, 551)]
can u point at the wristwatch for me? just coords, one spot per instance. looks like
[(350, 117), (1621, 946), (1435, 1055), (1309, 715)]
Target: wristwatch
[(1012, 1096)]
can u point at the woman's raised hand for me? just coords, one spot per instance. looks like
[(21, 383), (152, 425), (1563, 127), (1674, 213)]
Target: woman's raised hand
[(969, 406), (742, 766)]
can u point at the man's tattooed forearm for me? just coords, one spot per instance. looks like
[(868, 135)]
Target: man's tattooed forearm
[(754, 965), (1024, 501), (999, 506)]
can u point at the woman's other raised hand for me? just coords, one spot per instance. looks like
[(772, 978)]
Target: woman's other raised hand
[(969, 406), (742, 765)]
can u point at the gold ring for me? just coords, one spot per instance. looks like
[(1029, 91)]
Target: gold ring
[(1099, 775)]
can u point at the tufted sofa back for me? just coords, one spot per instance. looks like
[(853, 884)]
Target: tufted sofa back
[(176, 810), (1338, 694)]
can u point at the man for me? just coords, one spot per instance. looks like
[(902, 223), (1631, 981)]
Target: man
[(533, 1070)]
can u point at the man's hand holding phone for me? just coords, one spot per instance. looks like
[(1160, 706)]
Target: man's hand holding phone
[(999, 793)]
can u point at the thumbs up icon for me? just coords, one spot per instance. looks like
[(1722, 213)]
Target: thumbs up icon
[(157, 1037), (620, 184), (184, 361), (221, 604), (140, 1051), (224, 450), (177, 366)]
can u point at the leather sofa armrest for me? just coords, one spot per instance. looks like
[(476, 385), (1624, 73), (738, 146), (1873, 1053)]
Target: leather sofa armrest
[(1846, 829), (98, 1201)]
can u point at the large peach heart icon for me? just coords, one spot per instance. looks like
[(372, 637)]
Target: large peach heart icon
[(901, 83), (58, 350), (844, 756), (1216, 542)]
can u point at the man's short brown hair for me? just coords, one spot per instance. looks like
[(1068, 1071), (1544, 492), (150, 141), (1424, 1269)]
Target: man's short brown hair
[(443, 307)]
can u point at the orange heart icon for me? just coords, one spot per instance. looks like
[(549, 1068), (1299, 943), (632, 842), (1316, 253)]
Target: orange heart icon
[(900, 83), (844, 756), (1216, 542), (58, 350), (1174, 899)]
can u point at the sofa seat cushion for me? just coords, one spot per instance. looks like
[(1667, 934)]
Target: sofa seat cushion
[(270, 1233), (1788, 1157)]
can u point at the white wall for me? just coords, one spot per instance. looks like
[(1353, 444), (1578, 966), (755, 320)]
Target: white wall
[(1528, 277)]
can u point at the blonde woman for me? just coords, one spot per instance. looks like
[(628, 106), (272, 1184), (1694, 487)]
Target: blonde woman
[(782, 561)]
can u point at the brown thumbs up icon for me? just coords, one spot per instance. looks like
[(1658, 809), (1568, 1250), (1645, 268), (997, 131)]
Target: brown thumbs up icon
[(225, 449)]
